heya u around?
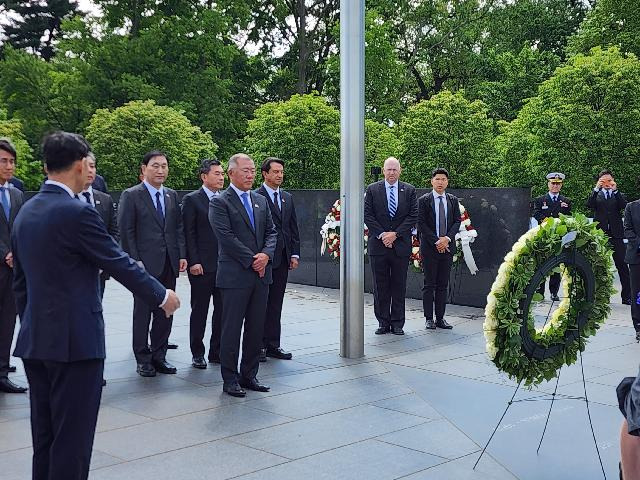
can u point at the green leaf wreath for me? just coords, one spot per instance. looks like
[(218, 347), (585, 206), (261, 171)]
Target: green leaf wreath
[(503, 315)]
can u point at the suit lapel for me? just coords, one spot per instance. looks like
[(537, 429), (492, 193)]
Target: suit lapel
[(204, 198), (256, 213), (382, 191), (235, 200), (14, 198), (276, 213), (146, 199)]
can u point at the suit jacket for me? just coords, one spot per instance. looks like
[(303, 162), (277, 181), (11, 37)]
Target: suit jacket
[(100, 184), (376, 216), (607, 212), (237, 240), (143, 236), (107, 210), (202, 244), (17, 200), (632, 232), (286, 224), (16, 182), (544, 207), (427, 221), (59, 243)]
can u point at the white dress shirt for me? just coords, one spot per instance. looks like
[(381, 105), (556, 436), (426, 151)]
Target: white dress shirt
[(61, 185), (271, 191), (210, 193), (436, 207), (152, 191)]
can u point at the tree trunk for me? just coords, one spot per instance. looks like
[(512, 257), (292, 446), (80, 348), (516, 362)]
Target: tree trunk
[(303, 49)]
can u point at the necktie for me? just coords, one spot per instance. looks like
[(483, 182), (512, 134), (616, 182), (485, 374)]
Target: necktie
[(5, 203), (442, 219), (87, 195), (392, 202), (247, 207), (275, 202), (75, 195), (159, 211), (607, 194)]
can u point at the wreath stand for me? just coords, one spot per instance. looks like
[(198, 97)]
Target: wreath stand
[(539, 352)]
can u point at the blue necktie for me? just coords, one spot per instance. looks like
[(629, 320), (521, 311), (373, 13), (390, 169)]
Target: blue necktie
[(159, 211), (5, 203), (247, 207), (392, 202)]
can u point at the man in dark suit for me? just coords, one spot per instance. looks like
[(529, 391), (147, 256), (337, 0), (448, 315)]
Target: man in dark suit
[(105, 206), (16, 182), (99, 183), (151, 232), (202, 260), (552, 204), (11, 200), (59, 244), (632, 258), (286, 256), (247, 239), (390, 213), (438, 223), (607, 204)]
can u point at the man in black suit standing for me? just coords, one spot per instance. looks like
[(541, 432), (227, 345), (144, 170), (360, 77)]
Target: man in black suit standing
[(247, 239), (552, 204), (11, 200), (286, 256), (632, 258), (390, 213), (59, 244), (151, 232), (438, 223), (202, 260), (104, 204), (607, 204)]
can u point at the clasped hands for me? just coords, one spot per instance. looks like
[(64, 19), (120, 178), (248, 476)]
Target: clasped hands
[(388, 238), (259, 264), (443, 244)]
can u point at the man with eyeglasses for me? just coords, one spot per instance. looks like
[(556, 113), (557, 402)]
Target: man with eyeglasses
[(151, 232)]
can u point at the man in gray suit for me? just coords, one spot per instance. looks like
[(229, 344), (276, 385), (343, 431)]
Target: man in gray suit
[(632, 257), (247, 239), (151, 232)]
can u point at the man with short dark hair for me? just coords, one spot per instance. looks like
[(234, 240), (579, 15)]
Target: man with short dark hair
[(11, 200), (202, 260), (438, 223), (390, 213), (59, 244), (285, 257), (607, 204), (632, 258), (247, 239), (151, 232)]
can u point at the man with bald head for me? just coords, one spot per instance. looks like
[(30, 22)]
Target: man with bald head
[(390, 212)]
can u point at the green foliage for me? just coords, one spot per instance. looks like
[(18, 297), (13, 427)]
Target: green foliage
[(305, 132), (610, 23), (585, 118), (448, 131), (121, 137), (27, 170)]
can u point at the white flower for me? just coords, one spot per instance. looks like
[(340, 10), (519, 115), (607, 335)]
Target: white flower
[(332, 236), (510, 258), (415, 250), (492, 350), (461, 207), (416, 263), (490, 335)]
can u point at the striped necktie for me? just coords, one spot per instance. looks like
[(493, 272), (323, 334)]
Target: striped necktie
[(392, 202)]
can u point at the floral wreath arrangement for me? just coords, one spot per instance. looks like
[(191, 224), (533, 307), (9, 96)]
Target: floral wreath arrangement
[(330, 233), (579, 251)]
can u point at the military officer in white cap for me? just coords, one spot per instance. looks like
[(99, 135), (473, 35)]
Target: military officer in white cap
[(552, 204)]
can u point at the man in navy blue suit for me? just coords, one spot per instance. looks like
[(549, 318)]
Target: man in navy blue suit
[(59, 244)]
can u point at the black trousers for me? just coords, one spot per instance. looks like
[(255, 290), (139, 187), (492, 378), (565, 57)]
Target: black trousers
[(65, 398), (389, 272), (242, 306), (161, 328), (203, 287), (437, 268), (635, 295), (272, 322), (7, 318), (554, 284), (103, 283), (619, 250)]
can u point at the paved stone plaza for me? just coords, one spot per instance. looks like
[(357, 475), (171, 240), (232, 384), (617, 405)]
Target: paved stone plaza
[(416, 407)]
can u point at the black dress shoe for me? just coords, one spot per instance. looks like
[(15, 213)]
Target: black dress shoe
[(12, 368), (164, 367), (263, 354), (172, 346), (429, 325), (383, 330), (233, 389), (146, 370), (198, 362), (7, 386), (254, 385), (443, 324), (279, 353), (625, 301), (397, 331), (104, 382), (555, 297)]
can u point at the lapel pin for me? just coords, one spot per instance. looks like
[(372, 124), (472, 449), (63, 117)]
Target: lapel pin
[(282, 200), (97, 202), (256, 206)]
